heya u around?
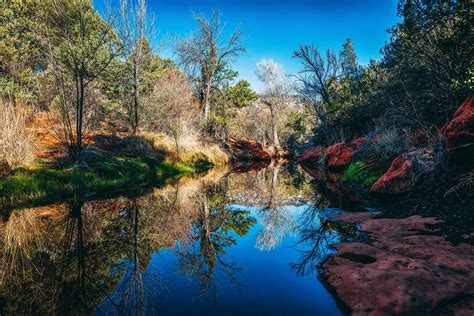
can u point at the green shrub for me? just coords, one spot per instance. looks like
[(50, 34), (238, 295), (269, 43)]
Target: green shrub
[(359, 173)]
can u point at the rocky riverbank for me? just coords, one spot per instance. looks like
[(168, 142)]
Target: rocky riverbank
[(406, 268), (445, 153)]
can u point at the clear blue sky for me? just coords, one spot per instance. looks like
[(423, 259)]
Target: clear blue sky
[(274, 29)]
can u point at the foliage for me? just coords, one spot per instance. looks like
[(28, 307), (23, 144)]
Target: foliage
[(170, 109), (80, 46), (296, 127), (226, 104), (241, 95), (134, 28), (421, 79), (359, 173), (21, 57)]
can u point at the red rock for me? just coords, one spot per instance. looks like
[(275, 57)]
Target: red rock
[(404, 269), (340, 154), (312, 156), (247, 150), (313, 171), (459, 133), (244, 167), (405, 172)]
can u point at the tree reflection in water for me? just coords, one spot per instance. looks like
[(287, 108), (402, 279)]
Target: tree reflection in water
[(53, 267), (316, 235), (129, 294), (274, 216), (202, 254), (86, 256)]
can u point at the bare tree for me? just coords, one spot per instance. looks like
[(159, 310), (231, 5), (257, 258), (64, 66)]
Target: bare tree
[(171, 109), (277, 91), (134, 27), (317, 77), (80, 45), (206, 52)]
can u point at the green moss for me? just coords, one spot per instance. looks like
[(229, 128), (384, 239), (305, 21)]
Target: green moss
[(359, 173), (41, 184)]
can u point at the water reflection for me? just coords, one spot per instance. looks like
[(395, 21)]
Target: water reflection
[(202, 253), (316, 235), (215, 244)]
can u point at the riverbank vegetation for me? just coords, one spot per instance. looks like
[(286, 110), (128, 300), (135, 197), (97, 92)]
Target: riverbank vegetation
[(88, 105), (81, 87), (407, 116)]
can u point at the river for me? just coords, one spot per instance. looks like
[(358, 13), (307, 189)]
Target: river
[(220, 243)]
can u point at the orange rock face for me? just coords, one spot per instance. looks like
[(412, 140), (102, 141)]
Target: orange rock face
[(405, 172), (312, 156), (247, 150), (340, 154), (459, 133)]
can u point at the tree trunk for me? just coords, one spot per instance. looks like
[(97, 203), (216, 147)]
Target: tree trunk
[(135, 119), (205, 232), (80, 114), (206, 105), (276, 141)]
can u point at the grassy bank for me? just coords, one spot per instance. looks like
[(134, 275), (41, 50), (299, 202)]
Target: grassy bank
[(39, 184)]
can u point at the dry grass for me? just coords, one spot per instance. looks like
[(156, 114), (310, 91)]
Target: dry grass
[(191, 149), (16, 144), (465, 183), (22, 233)]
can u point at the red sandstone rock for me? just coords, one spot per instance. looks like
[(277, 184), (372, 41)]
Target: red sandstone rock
[(405, 172), (340, 154), (401, 271), (313, 171), (243, 167), (459, 133), (312, 156), (247, 150)]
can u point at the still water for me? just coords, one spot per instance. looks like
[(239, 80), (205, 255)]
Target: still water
[(217, 244)]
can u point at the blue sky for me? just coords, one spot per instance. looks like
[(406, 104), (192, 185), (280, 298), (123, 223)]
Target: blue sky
[(274, 29)]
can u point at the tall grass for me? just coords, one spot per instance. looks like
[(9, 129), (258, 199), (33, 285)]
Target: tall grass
[(29, 186), (20, 235), (16, 144), (382, 146)]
